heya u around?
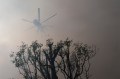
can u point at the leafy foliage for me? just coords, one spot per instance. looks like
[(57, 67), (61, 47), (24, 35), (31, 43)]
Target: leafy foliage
[(68, 58)]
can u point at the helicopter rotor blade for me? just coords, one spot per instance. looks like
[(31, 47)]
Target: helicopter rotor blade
[(49, 18), (39, 14), (27, 20)]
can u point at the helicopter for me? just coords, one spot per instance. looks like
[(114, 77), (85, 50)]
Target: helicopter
[(37, 22)]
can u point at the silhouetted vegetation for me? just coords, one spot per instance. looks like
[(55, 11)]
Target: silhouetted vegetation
[(68, 59)]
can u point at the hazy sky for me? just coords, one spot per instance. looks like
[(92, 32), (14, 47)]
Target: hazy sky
[(90, 21)]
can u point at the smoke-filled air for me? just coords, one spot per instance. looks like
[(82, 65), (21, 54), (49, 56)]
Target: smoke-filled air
[(92, 22)]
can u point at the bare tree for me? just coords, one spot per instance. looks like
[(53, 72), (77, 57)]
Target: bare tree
[(71, 60)]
